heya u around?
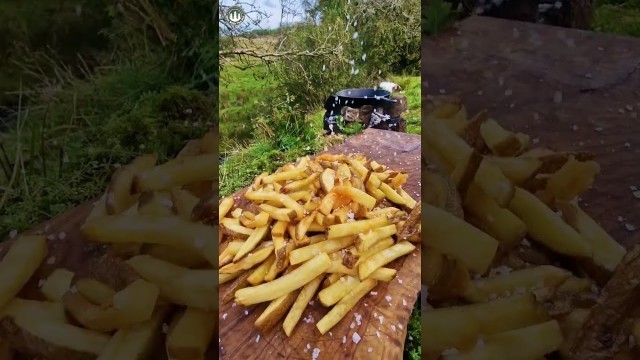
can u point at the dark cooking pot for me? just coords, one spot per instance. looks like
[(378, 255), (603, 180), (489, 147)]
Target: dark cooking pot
[(356, 98), (353, 98)]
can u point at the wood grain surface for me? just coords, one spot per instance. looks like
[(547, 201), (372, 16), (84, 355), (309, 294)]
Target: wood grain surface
[(568, 89), (384, 316)]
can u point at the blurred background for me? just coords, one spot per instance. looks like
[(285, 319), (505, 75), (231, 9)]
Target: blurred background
[(620, 17), (88, 85)]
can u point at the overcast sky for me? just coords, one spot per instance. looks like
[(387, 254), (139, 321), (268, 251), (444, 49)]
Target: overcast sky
[(270, 7)]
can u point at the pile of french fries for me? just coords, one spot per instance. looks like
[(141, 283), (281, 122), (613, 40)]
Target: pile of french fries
[(151, 296), (513, 266), (327, 225)]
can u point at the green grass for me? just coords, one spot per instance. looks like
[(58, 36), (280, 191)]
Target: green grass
[(411, 86), (242, 97), (618, 17), (63, 148), (412, 345)]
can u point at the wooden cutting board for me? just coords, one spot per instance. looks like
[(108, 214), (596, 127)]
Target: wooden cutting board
[(568, 89), (384, 316)]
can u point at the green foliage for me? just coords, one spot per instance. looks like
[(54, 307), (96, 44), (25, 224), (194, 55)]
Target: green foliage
[(412, 344), (618, 17), (353, 45), (437, 15)]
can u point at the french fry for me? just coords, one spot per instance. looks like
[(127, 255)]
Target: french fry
[(283, 199), (280, 214), (303, 254), (137, 341), (295, 313), (180, 172), (224, 278), (196, 288), (459, 327), (453, 236), (365, 241), (57, 284), (299, 184), (257, 276), (285, 175), (519, 281), (132, 305), (155, 230), (606, 253), (344, 305), (285, 284), (356, 195), (252, 241), (251, 260), (95, 291), (190, 335), (517, 344), (546, 226), (392, 195), (275, 311), (356, 227), (383, 257), (229, 252), (336, 291), (19, 264)]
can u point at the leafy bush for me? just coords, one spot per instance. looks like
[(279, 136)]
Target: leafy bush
[(436, 16), (351, 45)]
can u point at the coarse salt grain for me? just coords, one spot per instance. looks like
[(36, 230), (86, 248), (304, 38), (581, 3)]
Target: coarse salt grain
[(308, 346), (369, 349), (224, 316), (344, 339), (373, 293), (233, 304), (358, 319), (378, 333), (381, 318), (388, 298), (404, 302), (355, 338), (352, 325), (315, 353), (246, 312), (258, 338), (629, 227)]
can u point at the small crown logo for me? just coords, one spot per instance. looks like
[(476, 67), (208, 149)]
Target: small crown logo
[(235, 15)]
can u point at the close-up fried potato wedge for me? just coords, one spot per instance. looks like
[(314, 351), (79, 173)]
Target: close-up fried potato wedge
[(515, 267)]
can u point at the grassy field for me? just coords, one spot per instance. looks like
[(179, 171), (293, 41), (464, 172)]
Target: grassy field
[(242, 94)]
